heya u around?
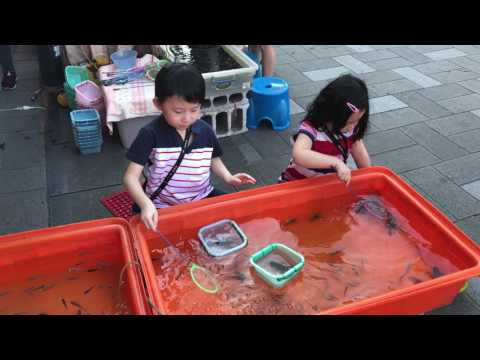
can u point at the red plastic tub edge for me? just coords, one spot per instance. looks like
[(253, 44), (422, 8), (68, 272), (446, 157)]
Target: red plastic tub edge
[(452, 281), (127, 240)]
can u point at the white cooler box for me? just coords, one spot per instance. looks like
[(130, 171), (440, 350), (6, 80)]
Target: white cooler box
[(128, 129)]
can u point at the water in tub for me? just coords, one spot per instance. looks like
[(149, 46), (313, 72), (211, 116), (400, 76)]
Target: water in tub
[(350, 255)]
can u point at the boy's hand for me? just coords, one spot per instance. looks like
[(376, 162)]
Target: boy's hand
[(149, 216), (241, 178), (343, 172)]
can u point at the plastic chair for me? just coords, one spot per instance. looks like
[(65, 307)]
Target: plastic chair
[(269, 100)]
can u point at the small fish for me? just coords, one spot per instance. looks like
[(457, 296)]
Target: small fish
[(407, 270), (345, 291), (290, 221), (33, 278), (103, 265), (414, 279), (279, 266), (79, 312), (237, 275), (72, 278), (88, 290), (225, 242), (64, 303), (2, 146), (356, 272), (330, 297), (74, 303), (391, 224), (315, 216), (91, 270), (436, 272), (335, 252), (47, 287), (34, 288)]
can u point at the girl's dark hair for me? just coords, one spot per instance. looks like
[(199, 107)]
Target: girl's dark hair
[(330, 106), (182, 80)]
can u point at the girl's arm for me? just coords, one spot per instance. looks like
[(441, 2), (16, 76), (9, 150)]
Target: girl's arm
[(219, 169), (303, 155), (131, 181), (360, 154)]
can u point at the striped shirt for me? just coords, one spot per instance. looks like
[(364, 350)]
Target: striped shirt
[(158, 146), (321, 143)]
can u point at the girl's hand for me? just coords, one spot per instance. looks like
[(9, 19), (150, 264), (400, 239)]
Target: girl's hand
[(241, 178), (149, 216), (343, 172)]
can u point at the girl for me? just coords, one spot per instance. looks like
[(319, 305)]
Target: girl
[(333, 129)]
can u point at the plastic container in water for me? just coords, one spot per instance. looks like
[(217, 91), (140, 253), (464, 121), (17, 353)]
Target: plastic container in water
[(277, 264), (222, 238), (124, 59)]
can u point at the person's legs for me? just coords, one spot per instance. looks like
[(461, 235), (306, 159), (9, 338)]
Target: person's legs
[(266, 54), (268, 60), (9, 80)]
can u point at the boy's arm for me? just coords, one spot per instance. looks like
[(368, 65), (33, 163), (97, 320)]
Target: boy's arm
[(219, 169), (131, 181), (360, 154)]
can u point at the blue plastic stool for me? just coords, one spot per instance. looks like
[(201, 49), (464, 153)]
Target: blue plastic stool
[(254, 57), (269, 100)]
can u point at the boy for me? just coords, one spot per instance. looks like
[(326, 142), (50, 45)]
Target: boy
[(179, 90)]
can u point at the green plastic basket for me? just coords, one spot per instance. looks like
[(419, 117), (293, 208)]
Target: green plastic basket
[(75, 75), (70, 96), (277, 280)]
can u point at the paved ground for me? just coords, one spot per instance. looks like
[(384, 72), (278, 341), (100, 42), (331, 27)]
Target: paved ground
[(425, 126)]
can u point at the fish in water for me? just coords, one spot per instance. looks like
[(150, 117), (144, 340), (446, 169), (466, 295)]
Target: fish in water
[(64, 303), (237, 275), (391, 223), (223, 240), (88, 290), (315, 216), (436, 272), (279, 266), (290, 221)]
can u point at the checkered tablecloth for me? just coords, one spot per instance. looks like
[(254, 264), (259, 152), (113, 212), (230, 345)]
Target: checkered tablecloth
[(131, 100)]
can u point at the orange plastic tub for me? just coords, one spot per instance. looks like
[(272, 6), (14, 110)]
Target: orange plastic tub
[(413, 262), (82, 268)]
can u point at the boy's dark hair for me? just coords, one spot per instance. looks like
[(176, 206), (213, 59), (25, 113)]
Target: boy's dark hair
[(330, 106), (182, 80)]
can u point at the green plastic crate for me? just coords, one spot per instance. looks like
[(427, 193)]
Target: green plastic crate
[(277, 280), (75, 75)]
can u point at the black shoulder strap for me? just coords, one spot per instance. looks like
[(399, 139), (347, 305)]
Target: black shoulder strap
[(175, 167)]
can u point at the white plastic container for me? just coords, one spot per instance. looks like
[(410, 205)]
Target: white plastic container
[(228, 120), (128, 129), (222, 237), (235, 80)]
